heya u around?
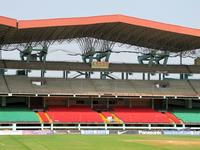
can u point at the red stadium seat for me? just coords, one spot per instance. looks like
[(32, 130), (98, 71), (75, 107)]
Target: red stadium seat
[(140, 115), (173, 118), (74, 114), (43, 117)]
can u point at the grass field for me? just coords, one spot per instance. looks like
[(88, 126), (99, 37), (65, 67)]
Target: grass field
[(109, 142)]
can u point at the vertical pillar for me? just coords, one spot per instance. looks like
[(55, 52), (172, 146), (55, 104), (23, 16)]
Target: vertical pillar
[(152, 103), (149, 126), (124, 127), (14, 126), (100, 75), (0, 54), (64, 74), (42, 73), (29, 102), (107, 104), (175, 126), (3, 101), (1, 70), (143, 76), (188, 103), (130, 103), (42, 126), (79, 126), (44, 102), (127, 76), (149, 76), (92, 103), (166, 104), (51, 126), (160, 76), (122, 75), (163, 76), (106, 127), (181, 62), (68, 102)]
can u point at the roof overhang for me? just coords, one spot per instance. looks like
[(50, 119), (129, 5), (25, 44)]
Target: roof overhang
[(117, 28)]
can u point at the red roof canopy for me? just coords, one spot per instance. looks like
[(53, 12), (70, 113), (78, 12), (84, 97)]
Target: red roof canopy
[(117, 28)]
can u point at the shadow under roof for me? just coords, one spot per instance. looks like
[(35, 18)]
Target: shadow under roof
[(117, 28)]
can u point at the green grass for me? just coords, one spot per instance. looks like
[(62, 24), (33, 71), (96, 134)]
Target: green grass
[(109, 142)]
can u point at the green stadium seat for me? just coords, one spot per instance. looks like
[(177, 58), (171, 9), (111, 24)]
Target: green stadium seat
[(17, 114), (187, 115)]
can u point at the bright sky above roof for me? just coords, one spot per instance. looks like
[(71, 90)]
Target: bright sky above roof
[(171, 11)]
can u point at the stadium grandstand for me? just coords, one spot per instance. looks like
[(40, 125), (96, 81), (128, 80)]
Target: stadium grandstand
[(101, 94)]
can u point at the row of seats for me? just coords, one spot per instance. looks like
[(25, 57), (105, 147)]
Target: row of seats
[(187, 115), (43, 116), (140, 115), (17, 114), (73, 114), (22, 84), (76, 114)]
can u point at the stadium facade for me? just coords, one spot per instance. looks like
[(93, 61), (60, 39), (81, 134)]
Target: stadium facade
[(104, 102)]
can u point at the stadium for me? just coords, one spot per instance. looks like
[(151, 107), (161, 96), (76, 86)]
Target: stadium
[(96, 95)]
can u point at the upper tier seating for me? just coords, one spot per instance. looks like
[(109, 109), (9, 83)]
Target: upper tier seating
[(21, 114), (187, 115), (74, 114), (23, 85), (140, 115)]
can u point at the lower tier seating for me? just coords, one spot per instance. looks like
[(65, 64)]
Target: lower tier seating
[(14, 114), (187, 115), (43, 117), (106, 114), (74, 114), (173, 118), (140, 115)]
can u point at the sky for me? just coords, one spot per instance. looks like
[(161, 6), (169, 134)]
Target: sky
[(179, 12)]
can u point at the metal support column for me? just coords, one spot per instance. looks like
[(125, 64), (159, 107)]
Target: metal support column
[(3, 101), (122, 75), (92, 105), (160, 77), (152, 103), (51, 126), (14, 126), (64, 74), (29, 102), (149, 76), (163, 76), (189, 103), (107, 103), (130, 103), (68, 102), (42, 73), (1, 70), (44, 103), (166, 104), (127, 76), (143, 76)]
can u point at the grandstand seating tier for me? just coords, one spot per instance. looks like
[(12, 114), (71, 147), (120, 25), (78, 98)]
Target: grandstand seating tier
[(43, 117), (187, 115), (74, 114), (22, 84), (140, 115), (14, 114)]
